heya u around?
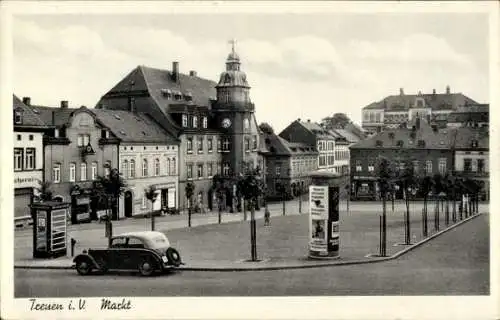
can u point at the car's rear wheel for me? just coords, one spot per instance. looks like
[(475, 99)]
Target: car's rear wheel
[(174, 257), (83, 267), (146, 267)]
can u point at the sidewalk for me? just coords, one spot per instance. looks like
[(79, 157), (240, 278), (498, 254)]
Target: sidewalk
[(283, 245)]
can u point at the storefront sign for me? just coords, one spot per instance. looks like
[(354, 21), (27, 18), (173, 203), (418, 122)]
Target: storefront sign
[(82, 201), (28, 179)]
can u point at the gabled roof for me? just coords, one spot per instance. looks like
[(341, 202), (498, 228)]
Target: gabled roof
[(54, 116), (348, 135), (316, 129), (436, 101), (390, 139), (30, 117), (158, 84), (133, 127), (465, 136), (276, 145)]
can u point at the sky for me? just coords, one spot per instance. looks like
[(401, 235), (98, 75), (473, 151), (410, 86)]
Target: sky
[(306, 66)]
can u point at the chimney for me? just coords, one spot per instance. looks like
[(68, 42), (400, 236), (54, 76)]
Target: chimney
[(447, 89), (64, 104), (433, 91), (131, 104), (419, 92), (308, 120), (27, 101), (417, 123), (192, 73), (175, 71), (298, 119), (401, 92)]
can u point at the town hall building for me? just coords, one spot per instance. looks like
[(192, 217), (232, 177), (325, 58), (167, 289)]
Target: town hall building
[(214, 122)]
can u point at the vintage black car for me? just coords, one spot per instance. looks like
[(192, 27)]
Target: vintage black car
[(146, 252)]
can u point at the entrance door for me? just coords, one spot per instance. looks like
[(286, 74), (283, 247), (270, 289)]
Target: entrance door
[(164, 198), (128, 204)]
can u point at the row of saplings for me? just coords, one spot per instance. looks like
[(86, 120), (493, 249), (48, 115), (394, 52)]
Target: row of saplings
[(443, 190)]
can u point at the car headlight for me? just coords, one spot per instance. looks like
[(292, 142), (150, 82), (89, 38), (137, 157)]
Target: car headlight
[(164, 258)]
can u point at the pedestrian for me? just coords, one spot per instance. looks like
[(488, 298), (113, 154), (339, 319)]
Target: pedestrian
[(267, 215)]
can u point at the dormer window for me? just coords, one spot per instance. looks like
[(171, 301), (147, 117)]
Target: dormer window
[(378, 143), (188, 96), (391, 135), (474, 143), (205, 122), (195, 121), (56, 133), (178, 95), (421, 143), (18, 116), (184, 120), (400, 143)]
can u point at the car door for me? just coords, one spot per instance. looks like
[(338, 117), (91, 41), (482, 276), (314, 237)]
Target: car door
[(131, 256), (115, 252)]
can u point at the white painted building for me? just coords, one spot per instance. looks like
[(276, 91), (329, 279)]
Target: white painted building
[(147, 156), (28, 157)]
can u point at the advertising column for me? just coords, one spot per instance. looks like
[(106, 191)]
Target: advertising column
[(323, 221)]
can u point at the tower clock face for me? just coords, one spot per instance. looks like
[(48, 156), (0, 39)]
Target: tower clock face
[(226, 123)]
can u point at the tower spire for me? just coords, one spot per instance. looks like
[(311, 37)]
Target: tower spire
[(233, 43)]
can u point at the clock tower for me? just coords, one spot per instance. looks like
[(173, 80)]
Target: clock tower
[(234, 115)]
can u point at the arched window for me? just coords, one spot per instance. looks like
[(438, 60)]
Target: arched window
[(246, 124), (94, 170), (169, 172), (72, 172), (83, 171), (124, 168), (132, 169), (157, 167), (144, 167)]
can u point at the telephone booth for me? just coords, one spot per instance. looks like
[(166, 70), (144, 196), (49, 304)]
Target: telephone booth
[(49, 229)]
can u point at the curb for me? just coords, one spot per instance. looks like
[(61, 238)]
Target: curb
[(290, 267)]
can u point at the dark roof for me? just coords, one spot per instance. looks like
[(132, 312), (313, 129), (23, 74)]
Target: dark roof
[(348, 135), (157, 83), (133, 127), (30, 116), (54, 116), (316, 129), (465, 136), (436, 101), (276, 145), (441, 139)]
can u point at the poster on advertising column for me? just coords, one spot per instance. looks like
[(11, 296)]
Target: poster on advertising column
[(318, 218)]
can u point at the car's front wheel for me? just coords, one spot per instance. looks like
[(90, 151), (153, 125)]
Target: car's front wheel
[(174, 257), (83, 267), (146, 267)]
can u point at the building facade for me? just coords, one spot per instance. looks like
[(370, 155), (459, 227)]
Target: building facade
[(28, 158), (472, 156), (474, 116), (77, 150), (396, 110), (312, 134), (214, 122), (429, 149), (288, 166), (147, 157)]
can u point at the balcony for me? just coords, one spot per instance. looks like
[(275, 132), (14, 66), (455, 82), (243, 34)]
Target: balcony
[(473, 174)]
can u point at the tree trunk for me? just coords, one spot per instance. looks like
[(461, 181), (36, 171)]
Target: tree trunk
[(283, 205), (152, 218), (244, 205), (253, 233), (219, 205), (384, 227), (300, 202), (407, 230), (190, 211)]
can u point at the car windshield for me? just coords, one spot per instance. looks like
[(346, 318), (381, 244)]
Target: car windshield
[(158, 242)]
